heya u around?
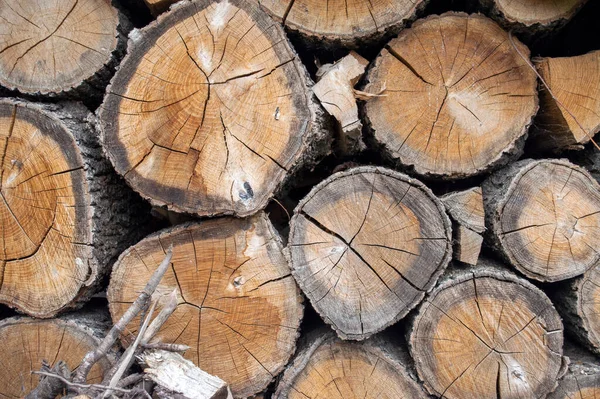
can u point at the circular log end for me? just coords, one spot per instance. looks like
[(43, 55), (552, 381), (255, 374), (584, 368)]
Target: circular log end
[(27, 342), (547, 221), (488, 334), (239, 308), (536, 12), (458, 96), (209, 109), (366, 244), (45, 239), (51, 47)]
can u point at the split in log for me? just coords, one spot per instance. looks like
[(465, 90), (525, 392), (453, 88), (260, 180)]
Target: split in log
[(485, 333), (531, 18), (210, 110), (239, 308), (582, 380), (466, 210), (573, 118), (459, 98), (335, 91), (52, 47), (179, 378), (543, 218), (344, 23), (366, 244), (27, 342), (578, 302), (326, 367), (65, 215)]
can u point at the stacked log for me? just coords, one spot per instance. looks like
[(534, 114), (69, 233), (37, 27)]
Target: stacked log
[(238, 309), (437, 253)]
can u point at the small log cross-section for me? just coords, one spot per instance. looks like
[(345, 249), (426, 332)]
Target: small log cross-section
[(366, 244), (239, 307), (62, 211), (326, 367), (55, 46), (459, 98), (210, 109), (466, 211), (543, 218), (345, 23), (573, 118), (487, 334), (532, 18), (582, 381), (578, 301), (27, 342), (335, 91)]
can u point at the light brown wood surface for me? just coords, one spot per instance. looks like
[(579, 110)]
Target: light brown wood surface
[(544, 217), (209, 110), (458, 97), (484, 333), (570, 114), (366, 244), (51, 46), (26, 342), (238, 309), (327, 367), (345, 22)]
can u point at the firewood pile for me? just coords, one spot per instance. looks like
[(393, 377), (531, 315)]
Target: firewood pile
[(299, 199)]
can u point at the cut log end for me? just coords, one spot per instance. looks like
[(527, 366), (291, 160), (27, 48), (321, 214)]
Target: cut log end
[(52, 47), (27, 342), (334, 369), (569, 115), (366, 244), (488, 334), (544, 217), (209, 110), (343, 23), (239, 308), (459, 98)]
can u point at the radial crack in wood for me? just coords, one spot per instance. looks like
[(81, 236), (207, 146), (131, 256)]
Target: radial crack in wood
[(239, 308), (366, 244), (27, 342), (326, 367), (49, 47), (484, 333), (459, 98), (543, 217), (64, 215), (569, 116), (210, 109), (345, 23)]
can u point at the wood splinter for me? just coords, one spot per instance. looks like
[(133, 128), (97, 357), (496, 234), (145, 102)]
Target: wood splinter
[(466, 211)]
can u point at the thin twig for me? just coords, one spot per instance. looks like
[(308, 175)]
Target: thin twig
[(166, 347), (510, 37), (162, 317), (94, 356), (127, 358), (78, 385)]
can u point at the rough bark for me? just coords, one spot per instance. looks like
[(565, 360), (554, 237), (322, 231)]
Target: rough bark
[(458, 98), (349, 24), (27, 342), (466, 211), (239, 308), (366, 244), (543, 216), (485, 333), (214, 124), (60, 49), (65, 214), (569, 115), (327, 367)]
